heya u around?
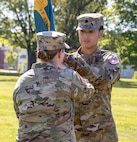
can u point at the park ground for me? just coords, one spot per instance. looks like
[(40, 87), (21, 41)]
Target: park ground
[(124, 107)]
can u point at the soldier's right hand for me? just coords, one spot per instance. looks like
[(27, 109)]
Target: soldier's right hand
[(70, 61)]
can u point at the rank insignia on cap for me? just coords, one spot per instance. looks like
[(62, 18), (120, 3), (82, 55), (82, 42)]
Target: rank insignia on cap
[(113, 60)]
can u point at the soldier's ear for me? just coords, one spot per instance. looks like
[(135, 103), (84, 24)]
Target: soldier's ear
[(101, 33)]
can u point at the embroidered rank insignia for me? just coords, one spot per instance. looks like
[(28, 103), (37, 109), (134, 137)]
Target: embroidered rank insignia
[(113, 60)]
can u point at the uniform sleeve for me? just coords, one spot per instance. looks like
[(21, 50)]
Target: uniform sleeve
[(29, 75), (81, 89), (109, 71), (107, 74), (15, 93)]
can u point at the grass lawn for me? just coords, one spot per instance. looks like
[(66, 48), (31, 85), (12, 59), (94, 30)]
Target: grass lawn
[(8, 120), (124, 106)]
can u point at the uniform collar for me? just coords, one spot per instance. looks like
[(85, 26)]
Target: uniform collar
[(79, 51), (42, 64)]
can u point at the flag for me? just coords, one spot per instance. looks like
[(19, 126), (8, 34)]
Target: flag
[(43, 15)]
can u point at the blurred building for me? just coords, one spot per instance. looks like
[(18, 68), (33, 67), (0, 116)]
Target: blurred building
[(3, 50), (20, 63), (22, 60), (127, 72)]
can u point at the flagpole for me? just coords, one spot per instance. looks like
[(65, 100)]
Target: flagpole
[(43, 15)]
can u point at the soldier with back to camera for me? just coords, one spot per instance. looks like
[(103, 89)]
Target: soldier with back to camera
[(44, 96)]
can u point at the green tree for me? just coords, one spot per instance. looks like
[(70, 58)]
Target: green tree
[(126, 12), (120, 24), (66, 12), (17, 25)]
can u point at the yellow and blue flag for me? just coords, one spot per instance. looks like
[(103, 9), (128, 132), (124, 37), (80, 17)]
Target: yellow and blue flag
[(43, 15)]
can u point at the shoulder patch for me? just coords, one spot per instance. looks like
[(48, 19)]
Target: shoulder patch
[(113, 60)]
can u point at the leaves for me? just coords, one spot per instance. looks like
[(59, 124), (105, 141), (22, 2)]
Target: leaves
[(120, 18), (18, 26)]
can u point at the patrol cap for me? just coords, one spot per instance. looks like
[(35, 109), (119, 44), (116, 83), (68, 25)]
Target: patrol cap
[(51, 40), (90, 21)]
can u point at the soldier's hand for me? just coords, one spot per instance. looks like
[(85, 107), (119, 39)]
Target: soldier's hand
[(70, 61)]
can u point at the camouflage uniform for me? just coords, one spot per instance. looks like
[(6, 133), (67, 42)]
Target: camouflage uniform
[(44, 102), (94, 121)]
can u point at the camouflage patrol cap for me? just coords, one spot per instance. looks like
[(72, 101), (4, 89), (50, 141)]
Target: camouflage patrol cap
[(51, 40), (90, 21)]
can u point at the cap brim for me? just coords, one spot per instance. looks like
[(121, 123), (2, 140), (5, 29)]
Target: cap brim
[(84, 27), (67, 46)]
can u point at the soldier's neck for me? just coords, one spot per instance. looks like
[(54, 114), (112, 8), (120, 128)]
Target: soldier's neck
[(88, 51), (58, 64)]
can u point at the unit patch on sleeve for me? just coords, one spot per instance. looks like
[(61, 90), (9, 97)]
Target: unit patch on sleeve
[(113, 60)]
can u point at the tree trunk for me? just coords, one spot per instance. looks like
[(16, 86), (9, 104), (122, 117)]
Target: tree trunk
[(31, 58)]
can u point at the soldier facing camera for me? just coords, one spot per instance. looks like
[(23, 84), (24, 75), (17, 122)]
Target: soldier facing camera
[(94, 120)]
